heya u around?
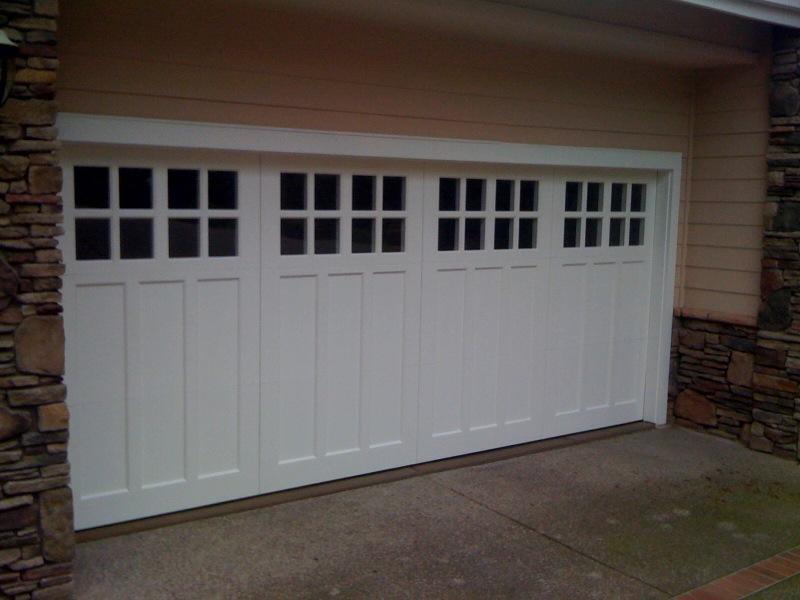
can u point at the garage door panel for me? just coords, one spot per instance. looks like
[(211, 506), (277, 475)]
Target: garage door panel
[(98, 409), (384, 357), (343, 366), (163, 398), (297, 368)]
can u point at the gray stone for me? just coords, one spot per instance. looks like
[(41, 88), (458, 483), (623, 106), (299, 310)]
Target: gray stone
[(12, 424), (775, 313), (56, 525), (40, 345), (784, 101)]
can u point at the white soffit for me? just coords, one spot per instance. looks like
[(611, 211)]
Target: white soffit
[(777, 12)]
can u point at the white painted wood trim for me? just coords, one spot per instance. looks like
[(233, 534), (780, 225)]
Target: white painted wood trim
[(778, 12), (129, 131), (74, 127)]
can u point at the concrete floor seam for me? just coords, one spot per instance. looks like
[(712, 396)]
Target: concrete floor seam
[(554, 540)]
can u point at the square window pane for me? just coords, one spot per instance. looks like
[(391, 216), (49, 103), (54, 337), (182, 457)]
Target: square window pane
[(183, 188), (476, 194), (326, 236), (326, 192), (91, 187), (572, 233), (222, 190), (504, 195), (293, 236), (448, 234), (136, 238), (528, 195), (619, 192), (448, 193), (293, 193), (637, 197), (135, 188), (394, 191), (572, 197), (616, 232), (503, 233), (636, 232), (394, 235), (223, 237), (92, 239), (473, 234), (527, 233), (363, 192), (363, 236), (594, 197), (594, 233), (184, 238)]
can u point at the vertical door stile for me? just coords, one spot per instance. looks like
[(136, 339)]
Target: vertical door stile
[(133, 383), (192, 372)]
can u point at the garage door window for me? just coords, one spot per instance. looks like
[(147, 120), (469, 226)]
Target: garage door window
[(586, 217), (375, 214), (119, 213), (496, 214)]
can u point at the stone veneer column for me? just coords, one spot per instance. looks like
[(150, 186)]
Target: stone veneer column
[(776, 410), (36, 536)]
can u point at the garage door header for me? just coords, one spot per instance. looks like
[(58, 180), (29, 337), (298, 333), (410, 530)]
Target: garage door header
[(103, 129)]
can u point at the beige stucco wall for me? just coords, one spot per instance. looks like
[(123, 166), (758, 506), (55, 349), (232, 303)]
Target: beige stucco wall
[(245, 63)]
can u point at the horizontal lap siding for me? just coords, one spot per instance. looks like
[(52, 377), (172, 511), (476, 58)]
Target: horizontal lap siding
[(728, 186)]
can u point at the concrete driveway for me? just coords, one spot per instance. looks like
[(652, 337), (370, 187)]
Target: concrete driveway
[(644, 515)]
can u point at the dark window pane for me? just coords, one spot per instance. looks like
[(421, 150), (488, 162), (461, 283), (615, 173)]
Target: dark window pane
[(616, 233), (222, 190), (394, 191), (293, 236), (363, 192), (473, 234), (136, 238), (92, 239), (594, 232), (184, 238), (528, 195), (527, 233), (326, 192), (326, 236), (91, 187), (293, 193), (618, 193), (183, 188), (135, 188), (637, 197), (572, 199), (504, 195), (363, 236), (393, 235), (448, 193), (572, 232), (222, 237), (448, 234), (476, 194), (503, 233), (636, 232), (594, 197)]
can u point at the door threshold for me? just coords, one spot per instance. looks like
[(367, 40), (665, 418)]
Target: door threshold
[(355, 482)]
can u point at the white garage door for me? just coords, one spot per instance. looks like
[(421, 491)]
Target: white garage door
[(242, 324)]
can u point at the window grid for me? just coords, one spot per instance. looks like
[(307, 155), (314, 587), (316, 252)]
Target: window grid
[(345, 214), (606, 216), (489, 215), (158, 214)]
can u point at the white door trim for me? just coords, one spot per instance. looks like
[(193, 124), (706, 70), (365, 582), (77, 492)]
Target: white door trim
[(82, 128)]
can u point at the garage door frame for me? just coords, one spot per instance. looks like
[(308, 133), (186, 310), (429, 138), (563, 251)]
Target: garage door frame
[(123, 131)]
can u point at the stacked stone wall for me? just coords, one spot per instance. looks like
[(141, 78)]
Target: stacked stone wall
[(36, 537)]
